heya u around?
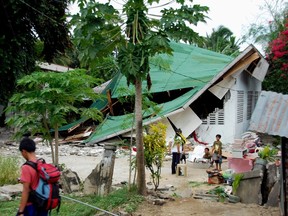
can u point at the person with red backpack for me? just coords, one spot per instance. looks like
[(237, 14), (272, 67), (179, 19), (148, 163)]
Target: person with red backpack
[(29, 179), (40, 193)]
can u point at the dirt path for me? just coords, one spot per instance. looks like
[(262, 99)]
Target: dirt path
[(191, 206)]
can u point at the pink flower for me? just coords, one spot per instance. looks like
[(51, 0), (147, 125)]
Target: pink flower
[(285, 32)]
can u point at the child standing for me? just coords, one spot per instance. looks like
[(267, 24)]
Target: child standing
[(217, 152)]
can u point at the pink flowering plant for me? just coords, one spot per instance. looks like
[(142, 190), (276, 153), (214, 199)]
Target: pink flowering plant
[(277, 78)]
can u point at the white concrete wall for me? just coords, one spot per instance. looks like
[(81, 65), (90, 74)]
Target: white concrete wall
[(231, 129), (247, 83)]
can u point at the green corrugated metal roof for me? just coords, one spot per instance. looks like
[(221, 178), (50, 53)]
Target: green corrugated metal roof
[(115, 125), (190, 66)]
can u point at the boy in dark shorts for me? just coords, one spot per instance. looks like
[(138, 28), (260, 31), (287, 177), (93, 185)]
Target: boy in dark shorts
[(217, 152)]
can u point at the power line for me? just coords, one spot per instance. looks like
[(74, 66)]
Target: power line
[(86, 204), (41, 13), (158, 6)]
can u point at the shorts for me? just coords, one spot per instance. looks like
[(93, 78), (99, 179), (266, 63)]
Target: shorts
[(30, 210)]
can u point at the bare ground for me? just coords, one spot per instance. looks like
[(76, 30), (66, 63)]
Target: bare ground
[(180, 188)]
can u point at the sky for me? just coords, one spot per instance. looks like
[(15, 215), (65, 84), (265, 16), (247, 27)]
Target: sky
[(236, 15)]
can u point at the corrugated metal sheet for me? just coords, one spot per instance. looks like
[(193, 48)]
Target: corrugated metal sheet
[(271, 114)]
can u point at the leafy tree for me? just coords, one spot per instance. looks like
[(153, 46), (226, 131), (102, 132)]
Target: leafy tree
[(99, 34), (277, 78), (264, 31), (272, 35), (222, 41), (154, 150), (22, 24), (45, 99)]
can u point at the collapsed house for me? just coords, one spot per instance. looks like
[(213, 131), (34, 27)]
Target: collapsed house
[(203, 92)]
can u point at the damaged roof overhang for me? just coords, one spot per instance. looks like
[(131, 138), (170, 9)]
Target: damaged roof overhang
[(241, 62)]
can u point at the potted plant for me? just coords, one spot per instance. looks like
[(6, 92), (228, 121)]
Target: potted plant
[(267, 154)]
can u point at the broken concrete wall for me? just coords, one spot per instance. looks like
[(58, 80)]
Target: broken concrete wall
[(249, 189), (70, 181), (261, 185), (99, 182)]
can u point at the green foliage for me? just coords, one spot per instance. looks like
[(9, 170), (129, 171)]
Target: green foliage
[(220, 192), (154, 150), (272, 36), (263, 32), (236, 181), (96, 35), (9, 169), (222, 41), (268, 153), (22, 24), (122, 198), (276, 79), (46, 99)]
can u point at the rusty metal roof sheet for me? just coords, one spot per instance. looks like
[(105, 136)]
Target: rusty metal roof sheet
[(271, 114)]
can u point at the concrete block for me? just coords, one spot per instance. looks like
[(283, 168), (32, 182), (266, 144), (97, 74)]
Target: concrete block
[(249, 189), (273, 198), (70, 181), (272, 175)]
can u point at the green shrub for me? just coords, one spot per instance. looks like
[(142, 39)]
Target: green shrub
[(9, 169), (154, 151)]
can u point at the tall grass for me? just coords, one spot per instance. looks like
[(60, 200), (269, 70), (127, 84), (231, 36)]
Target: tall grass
[(9, 170)]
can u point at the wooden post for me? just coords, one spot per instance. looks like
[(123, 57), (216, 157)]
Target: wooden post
[(110, 105)]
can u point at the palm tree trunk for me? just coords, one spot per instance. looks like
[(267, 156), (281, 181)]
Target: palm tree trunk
[(141, 182)]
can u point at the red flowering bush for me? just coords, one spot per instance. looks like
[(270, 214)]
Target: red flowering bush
[(277, 77)]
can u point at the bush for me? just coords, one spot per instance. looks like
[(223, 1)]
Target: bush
[(9, 169)]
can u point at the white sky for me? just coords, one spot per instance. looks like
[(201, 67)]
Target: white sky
[(236, 15)]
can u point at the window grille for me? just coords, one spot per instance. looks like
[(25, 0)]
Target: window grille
[(215, 118), (240, 106), (252, 98)]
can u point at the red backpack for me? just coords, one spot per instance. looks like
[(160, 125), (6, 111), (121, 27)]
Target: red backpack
[(46, 195)]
